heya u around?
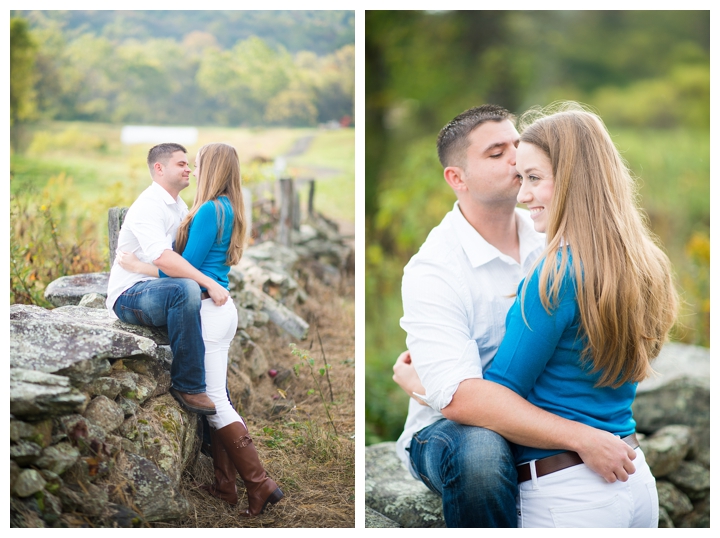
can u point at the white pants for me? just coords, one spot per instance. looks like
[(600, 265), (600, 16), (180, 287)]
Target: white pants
[(579, 497), (219, 324)]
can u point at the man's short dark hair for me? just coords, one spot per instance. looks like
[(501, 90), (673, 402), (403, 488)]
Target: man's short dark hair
[(452, 141), (162, 153)]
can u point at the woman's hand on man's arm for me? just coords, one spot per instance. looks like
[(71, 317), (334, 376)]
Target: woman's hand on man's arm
[(174, 265)]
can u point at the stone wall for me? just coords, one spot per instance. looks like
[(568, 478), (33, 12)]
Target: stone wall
[(672, 411), (95, 437)]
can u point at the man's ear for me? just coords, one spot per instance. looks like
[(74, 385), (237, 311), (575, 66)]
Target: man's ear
[(157, 168), (454, 176)]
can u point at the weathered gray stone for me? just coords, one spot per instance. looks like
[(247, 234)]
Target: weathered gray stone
[(169, 435), (271, 252), (251, 357), (280, 314), (692, 479), (105, 386), (698, 518), (247, 300), (152, 492), (92, 300), (37, 395), (391, 491), (128, 406), (677, 361), (245, 317), (69, 290), (71, 497), (88, 499), (375, 520), (28, 482), (242, 386), (134, 386), (39, 433), (52, 508), (157, 371), (53, 482), (61, 340), (58, 458), (15, 471), (673, 500), (664, 521), (105, 413), (25, 452), (680, 401), (81, 433), (260, 319), (666, 448)]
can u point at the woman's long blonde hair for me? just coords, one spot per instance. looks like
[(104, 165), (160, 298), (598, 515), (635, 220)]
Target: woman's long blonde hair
[(624, 286), (219, 176)]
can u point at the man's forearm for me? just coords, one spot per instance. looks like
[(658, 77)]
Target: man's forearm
[(479, 402), (172, 264)]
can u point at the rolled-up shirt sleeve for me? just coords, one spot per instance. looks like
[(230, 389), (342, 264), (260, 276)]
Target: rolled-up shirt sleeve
[(438, 333)]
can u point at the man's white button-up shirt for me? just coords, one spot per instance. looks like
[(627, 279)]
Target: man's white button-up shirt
[(150, 227), (456, 293)]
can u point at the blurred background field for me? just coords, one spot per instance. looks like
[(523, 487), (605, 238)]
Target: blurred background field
[(646, 73)]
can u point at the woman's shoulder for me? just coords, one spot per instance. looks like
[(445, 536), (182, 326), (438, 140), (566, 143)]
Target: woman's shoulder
[(568, 274), (211, 206)]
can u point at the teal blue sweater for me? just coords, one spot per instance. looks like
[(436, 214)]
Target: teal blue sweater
[(203, 249), (542, 364)]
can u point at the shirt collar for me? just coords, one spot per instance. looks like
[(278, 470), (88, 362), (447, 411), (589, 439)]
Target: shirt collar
[(166, 197), (480, 252)]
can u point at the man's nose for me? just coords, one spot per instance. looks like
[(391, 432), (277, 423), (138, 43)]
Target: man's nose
[(512, 153)]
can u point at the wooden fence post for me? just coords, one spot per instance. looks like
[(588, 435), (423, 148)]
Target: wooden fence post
[(296, 210), (311, 197), (286, 212), (116, 217)]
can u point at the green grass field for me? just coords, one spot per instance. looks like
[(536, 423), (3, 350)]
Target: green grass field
[(96, 171)]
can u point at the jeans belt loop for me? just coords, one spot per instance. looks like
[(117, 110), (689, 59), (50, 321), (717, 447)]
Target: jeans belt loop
[(533, 475)]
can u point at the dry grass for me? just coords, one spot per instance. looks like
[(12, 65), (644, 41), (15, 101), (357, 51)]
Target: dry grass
[(299, 448)]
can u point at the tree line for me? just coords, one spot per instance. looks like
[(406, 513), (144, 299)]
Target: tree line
[(76, 74)]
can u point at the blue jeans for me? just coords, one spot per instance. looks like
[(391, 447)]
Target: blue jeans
[(472, 469), (173, 303)]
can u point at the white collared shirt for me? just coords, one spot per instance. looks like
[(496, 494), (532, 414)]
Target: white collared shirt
[(150, 227), (456, 293)]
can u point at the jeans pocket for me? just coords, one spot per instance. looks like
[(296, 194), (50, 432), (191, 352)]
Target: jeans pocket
[(605, 513), (131, 315), (654, 504)]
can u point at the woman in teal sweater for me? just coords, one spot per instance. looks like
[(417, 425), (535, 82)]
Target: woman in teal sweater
[(212, 239), (587, 322)]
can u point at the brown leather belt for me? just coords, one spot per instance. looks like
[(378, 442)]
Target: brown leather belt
[(204, 295), (561, 461)]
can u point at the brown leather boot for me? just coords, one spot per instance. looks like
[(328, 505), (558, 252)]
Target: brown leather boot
[(195, 403), (224, 487), (261, 489)]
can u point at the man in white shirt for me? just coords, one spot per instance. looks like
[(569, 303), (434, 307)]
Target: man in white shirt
[(149, 231), (456, 293)]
